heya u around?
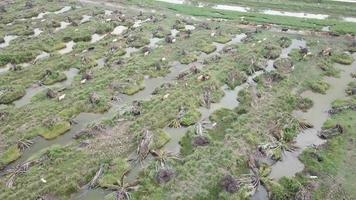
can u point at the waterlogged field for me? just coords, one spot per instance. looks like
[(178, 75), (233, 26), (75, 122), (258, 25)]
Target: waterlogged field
[(177, 100)]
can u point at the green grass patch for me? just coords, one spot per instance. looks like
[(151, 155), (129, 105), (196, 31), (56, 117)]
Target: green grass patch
[(9, 94), (342, 58), (190, 118), (318, 86), (113, 172), (54, 77), (10, 155), (55, 130)]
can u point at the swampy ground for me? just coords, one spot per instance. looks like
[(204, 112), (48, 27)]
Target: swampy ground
[(176, 99)]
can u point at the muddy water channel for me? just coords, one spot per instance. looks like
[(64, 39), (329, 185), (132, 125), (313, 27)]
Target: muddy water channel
[(317, 115), (229, 101), (175, 134), (36, 89)]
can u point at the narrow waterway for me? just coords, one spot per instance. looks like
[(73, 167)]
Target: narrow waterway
[(36, 89), (146, 94), (317, 115)]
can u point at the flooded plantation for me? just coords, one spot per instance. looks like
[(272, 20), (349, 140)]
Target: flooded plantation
[(177, 100)]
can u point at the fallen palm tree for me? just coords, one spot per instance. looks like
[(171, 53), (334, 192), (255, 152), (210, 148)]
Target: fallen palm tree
[(340, 109), (331, 132), (144, 147), (164, 175), (97, 176), (18, 170), (162, 157), (23, 144), (207, 97), (175, 123), (123, 190)]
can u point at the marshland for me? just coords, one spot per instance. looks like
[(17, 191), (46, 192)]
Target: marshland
[(177, 99)]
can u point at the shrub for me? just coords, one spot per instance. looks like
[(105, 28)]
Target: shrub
[(188, 58), (9, 94), (284, 42), (190, 118), (55, 130), (54, 77), (10, 155), (319, 86), (342, 58)]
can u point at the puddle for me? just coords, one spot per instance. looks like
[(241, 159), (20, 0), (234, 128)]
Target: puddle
[(129, 51), (68, 48), (42, 56), (90, 194), (296, 44), (85, 18), (63, 10), (63, 26), (326, 29), (41, 15), (83, 119), (100, 62), (295, 14), (5, 68), (176, 135), (317, 115), (201, 5), (347, 1), (153, 42), (138, 23), (174, 32), (189, 27), (108, 12), (232, 8), (70, 74), (260, 194), (96, 37), (118, 30), (173, 1), (349, 19), (32, 91), (37, 32), (270, 66), (7, 40)]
